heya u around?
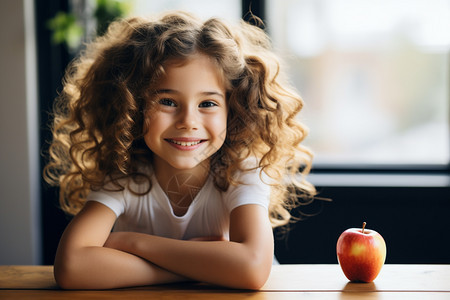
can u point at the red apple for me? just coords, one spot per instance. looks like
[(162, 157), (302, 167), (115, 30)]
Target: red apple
[(361, 253)]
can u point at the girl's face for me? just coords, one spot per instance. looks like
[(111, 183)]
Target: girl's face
[(189, 121)]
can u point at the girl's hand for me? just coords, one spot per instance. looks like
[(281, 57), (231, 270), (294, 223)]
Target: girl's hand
[(121, 240), (116, 240)]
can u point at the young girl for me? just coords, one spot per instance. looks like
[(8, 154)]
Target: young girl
[(181, 135)]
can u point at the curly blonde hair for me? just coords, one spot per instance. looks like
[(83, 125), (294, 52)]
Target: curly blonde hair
[(99, 118)]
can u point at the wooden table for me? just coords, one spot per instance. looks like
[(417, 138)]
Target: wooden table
[(285, 282)]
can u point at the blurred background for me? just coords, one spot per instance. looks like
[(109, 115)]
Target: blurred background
[(374, 76)]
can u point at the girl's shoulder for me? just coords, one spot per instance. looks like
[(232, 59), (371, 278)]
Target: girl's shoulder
[(251, 172), (138, 180), (119, 190), (250, 186)]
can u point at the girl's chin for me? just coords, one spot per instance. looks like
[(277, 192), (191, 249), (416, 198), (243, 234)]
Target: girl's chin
[(169, 164), (190, 166)]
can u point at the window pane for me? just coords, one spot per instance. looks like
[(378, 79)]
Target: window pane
[(229, 10), (374, 76)]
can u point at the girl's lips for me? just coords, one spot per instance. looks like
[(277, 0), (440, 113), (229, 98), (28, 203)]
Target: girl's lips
[(185, 143)]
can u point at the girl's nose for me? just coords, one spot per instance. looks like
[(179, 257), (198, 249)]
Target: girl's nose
[(187, 119)]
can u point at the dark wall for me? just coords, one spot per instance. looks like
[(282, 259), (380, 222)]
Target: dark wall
[(52, 60), (413, 221)]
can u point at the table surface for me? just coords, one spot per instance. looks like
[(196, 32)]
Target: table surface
[(285, 282)]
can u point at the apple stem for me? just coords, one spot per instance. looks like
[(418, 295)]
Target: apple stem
[(364, 226)]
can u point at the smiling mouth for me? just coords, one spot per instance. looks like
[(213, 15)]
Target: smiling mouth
[(185, 143)]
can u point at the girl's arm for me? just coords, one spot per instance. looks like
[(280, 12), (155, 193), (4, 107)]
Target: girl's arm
[(83, 263), (243, 262)]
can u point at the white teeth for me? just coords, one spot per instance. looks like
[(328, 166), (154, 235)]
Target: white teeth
[(185, 143)]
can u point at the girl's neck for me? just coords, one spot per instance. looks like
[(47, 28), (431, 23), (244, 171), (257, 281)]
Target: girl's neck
[(165, 173), (180, 186)]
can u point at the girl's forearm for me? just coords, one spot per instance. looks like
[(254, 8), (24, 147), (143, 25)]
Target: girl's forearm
[(225, 263), (105, 268)]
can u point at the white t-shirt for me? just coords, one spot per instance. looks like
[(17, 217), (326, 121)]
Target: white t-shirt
[(208, 214)]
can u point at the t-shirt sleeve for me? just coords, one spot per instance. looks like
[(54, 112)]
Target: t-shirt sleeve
[(251, 190), (115, 200)]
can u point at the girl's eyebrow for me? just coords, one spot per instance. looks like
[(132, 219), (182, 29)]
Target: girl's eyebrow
[(166, 91), (213, 93), (206, 93)]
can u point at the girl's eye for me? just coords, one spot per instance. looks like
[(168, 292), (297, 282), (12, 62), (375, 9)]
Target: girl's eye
[(167, 102), (207, 104)]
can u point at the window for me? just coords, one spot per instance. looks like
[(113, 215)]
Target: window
[(374, 76), (230, 10)]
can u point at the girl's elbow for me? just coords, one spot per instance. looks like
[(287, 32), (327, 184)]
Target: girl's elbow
[(254, 283), (64, 282), (63, 277), (255, 276), (66, 275)]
